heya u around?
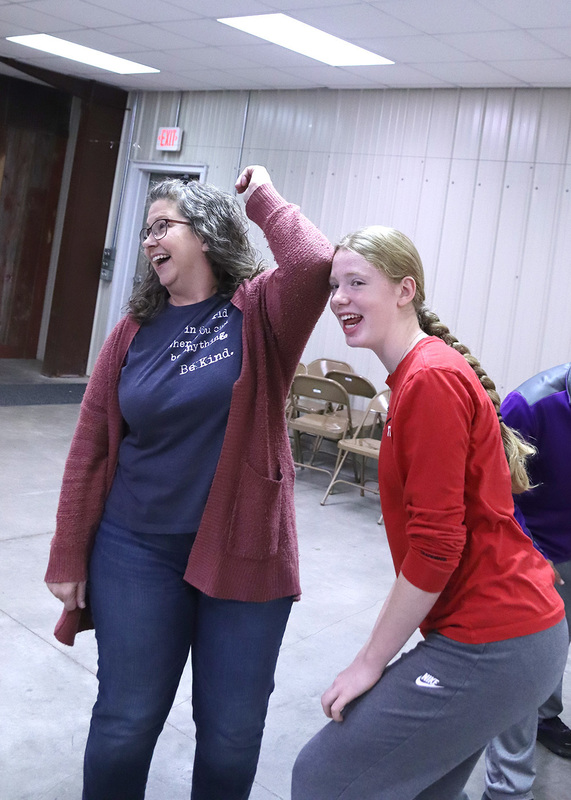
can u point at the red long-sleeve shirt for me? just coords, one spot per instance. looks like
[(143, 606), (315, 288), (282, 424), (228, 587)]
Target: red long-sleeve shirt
[(447, 504)]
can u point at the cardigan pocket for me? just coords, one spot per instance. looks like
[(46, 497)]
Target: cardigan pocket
[(254, 530)]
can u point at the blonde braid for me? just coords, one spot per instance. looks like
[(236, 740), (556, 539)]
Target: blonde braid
[(517, 450)]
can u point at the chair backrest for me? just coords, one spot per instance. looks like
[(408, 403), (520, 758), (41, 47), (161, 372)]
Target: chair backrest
[(378, 407), (380, 402), (301, 369), (321, 366), (355, 384), (320, 389)]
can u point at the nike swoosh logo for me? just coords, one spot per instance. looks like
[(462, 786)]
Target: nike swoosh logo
[(421, 681)]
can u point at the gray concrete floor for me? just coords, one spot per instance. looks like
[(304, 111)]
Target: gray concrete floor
[(47, 689)]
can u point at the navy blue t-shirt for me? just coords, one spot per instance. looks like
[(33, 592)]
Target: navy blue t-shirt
[(174, 393)]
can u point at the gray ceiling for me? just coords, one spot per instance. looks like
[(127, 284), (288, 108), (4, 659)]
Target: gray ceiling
[(435, 43)]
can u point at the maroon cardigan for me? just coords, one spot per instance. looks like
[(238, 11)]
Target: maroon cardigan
[(246, 545)]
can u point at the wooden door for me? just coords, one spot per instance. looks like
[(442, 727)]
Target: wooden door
[(33, 137)]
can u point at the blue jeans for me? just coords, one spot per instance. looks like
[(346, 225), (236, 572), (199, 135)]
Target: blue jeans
[(147, 618)]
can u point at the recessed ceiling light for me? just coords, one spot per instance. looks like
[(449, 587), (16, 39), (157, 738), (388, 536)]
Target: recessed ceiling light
[(76, 52), (305, 39)]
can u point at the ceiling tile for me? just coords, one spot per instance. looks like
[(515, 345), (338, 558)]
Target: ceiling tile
[(149, 36), (267, 53), (33, 20), (209, 31), (444, 16), (557, 38), (418, 48), (532, 13), (398, 75), (212, 57), (354, 20), (274, 78), (224, 8), (324, 75), (434, 42), (254, 79), (540, 73), (148, 10), (165, 61), (157, 82), (9, 29), (286, 6), (472, 73), (100, 40), (79, 12), (499, 45)]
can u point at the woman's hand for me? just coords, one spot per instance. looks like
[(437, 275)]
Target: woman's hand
[(250, 179), (358, 678), (72, 595)]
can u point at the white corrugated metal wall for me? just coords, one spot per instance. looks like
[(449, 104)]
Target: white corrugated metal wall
[(480, 179)]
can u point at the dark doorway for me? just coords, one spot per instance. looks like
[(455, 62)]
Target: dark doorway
[(33, 137), (101, 115)]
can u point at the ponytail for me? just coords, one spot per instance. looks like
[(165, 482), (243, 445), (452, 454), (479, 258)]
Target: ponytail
[(517, 450)]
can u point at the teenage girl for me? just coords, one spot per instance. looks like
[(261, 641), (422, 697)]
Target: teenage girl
[(495, 639)]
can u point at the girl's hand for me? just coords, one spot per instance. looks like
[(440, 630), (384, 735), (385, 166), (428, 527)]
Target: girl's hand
[(354, 681), (403, 611), (250, 179), (72, 595), (556, 576)]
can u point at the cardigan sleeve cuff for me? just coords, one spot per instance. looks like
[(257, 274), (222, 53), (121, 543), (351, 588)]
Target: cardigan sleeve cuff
[(65, 565)]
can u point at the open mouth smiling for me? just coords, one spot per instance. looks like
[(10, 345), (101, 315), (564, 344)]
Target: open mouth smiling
[(350, 321), (159, 259)]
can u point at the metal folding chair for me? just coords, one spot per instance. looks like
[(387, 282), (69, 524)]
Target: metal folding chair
[(362, 446), (333, 423), (357, 386)]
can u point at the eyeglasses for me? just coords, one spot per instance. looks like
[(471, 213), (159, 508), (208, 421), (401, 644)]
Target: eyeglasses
[(159, 229)]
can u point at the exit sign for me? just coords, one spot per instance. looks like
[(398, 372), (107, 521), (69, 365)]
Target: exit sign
[(169, 139)]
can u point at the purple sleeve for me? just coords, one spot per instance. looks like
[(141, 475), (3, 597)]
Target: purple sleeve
[(517, 413)]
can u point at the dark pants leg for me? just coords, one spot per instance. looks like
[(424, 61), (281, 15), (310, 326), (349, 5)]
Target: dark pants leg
[(234, 655), (144, 615), (451, 785), (146, 619), (510, 756)]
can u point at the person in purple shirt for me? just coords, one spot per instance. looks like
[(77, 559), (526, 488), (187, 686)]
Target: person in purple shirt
[(540, 409)]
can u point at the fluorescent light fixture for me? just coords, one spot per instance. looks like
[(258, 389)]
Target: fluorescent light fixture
[(305, 39), (76, 52)]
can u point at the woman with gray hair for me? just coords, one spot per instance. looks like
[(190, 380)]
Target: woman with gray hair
[(175, 526)]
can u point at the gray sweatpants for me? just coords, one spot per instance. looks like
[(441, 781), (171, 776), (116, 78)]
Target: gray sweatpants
[(510, 757), (418, 733)]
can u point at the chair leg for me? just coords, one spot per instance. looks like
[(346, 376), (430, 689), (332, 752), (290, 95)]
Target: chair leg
[(363, 464), (316, 446), (340, 461), (297, 450)]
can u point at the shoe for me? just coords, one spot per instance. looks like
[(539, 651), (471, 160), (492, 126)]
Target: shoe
[(554, 734)]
